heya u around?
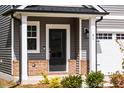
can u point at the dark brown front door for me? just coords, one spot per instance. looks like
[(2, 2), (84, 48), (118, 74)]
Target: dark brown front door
[(57, 47)]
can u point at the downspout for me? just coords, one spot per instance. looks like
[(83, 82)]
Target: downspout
[(19, 81), (101, 18)]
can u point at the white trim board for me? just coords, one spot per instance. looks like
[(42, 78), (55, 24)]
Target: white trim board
[(22, 6), (24, 56), (59, 26), (110, 30), (36, 23), (98, 8), (80, 44), (43, 14), (12, 44)]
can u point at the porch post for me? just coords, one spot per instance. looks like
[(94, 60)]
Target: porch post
[(92, 44), (24, 75), (80, 44), (12, 43)]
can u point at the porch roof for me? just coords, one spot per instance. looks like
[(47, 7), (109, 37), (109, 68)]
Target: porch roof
[(58, 9)]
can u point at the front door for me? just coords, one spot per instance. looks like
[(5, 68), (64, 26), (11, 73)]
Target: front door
[(57, 49)]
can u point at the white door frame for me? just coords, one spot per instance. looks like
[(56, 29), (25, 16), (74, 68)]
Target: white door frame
[(58, 26)]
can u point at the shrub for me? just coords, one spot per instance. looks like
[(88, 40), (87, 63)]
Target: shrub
[(72, 81), (45, 79), (55, 82), (117, 80), (95, 79)]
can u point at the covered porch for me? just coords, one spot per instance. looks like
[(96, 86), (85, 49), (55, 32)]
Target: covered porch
[(58, 47), (53, 41)]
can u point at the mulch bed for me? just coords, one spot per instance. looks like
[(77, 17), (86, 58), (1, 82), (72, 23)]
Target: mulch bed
[(33, 86), (11, 84), (114, 87)]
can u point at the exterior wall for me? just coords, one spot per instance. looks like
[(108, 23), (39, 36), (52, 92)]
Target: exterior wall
[(72, 66), (43, 22), (36, 67), (38, 58), (85, 41), (109, 23), (5, 41), (84, 66), (85, 48), (109, 56), (114, 9)]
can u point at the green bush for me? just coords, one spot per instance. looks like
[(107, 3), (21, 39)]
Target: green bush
[(55, 82), (117, 80), (95, 79), (45, 79), (72, 81)]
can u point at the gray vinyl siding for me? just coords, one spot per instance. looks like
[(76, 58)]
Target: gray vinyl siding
[(74, 37), (115, 10), (17, 29), (5, 41), (43, 21), (111, 23), (85, 40)]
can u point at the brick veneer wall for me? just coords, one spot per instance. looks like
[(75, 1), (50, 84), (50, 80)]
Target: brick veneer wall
[(15, 68), (36, 67), (84, 66), (40, 66), (72, 66)]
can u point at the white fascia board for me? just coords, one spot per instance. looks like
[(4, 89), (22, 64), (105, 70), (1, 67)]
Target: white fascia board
[(43, 14), (22, 6), (98, 8)]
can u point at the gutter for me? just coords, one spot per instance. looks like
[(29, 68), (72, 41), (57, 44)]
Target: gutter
[(101, 18)]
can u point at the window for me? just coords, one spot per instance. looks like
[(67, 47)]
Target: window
[(119, 36), (104, 36), (33, 37)]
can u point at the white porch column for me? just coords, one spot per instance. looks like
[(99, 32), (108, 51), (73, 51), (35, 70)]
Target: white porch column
[(80, 43), (92, 44), (12, 43), (24, 75)]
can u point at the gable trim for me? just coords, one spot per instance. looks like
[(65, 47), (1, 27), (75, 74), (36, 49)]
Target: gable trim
[(98, 8), (22, 6)]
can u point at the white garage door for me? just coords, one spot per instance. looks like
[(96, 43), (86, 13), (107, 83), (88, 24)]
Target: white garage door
[(109, 54)]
